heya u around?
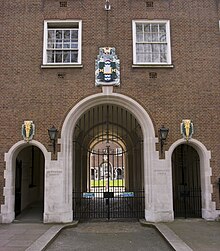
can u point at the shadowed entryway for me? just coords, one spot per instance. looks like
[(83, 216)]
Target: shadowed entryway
[(186, 182), (29, 185), (108, 178)]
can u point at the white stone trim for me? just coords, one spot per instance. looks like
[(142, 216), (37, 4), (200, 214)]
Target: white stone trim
[(157, 172), (157, 206), (7, 209)]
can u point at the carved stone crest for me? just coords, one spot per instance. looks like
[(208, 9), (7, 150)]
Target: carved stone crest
[(107, 67)]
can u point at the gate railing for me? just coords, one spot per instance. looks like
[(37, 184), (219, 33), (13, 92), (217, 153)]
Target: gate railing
[(91, 205), (187, 202)]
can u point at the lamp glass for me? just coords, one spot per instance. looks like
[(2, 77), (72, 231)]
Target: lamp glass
[(163, 133), (52, 133)]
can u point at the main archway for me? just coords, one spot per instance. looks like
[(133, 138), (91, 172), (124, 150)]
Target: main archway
[(157, 206), (108, 180)]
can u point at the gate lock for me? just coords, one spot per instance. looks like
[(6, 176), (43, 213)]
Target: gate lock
[(108, 195)]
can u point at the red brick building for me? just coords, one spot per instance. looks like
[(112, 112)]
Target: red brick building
[(159, 64)]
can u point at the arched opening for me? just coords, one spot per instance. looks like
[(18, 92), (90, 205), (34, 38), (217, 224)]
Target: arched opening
[(108, 180), (186, 182), (29, 184)]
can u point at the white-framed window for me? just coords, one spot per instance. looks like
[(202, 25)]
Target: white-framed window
[(151, 42), (62, 42)]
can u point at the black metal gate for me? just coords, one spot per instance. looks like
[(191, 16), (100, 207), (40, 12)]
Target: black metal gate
[(106, 195), (186, 182), (108, 164)]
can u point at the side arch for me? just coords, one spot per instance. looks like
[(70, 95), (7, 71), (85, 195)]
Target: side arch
[(208, 206), (7, 209)]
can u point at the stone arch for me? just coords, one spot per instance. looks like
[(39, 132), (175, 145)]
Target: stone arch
[(7, 209), (208, 206), (149, 144)]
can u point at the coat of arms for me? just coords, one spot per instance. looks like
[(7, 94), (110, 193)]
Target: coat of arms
[(107, 68), (28, 130), (187, 129)]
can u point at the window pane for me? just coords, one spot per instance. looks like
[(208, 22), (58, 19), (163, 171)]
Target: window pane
[(162, 37), (50, 39), (163, 53), (140, 48), (139, 28), (139, 37), (155, 37), (59, 34), (154, 27), (147, 48), (163, 48), (58, 56), (163, 57), (148, 58), (156, 53), (74, 45), (74, 56), (140, 58), (66, 34), (50, 57), (58, 44), (66, 57), (162, 28), (147, 37), (66, 44), (74, 35), (156, 58), (58, 39), (147, 27)]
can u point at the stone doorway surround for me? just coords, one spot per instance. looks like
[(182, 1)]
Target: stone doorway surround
[(209, 211), (58, 173), (157, 174), (8, 208)]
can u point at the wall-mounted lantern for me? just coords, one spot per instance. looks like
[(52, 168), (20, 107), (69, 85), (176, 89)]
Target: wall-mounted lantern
[(107, 5), (163, 133), (53, 136)]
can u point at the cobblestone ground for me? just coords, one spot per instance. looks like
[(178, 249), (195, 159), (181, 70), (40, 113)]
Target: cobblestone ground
[(109, 236)]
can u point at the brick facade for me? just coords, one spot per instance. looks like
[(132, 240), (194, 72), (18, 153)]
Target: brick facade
[(188, 90)]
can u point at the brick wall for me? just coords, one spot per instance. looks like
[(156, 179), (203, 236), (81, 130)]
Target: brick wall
[(189, 90)]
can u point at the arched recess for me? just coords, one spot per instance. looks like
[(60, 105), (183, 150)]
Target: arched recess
[(150, 155), (208, 206), (8, 208)]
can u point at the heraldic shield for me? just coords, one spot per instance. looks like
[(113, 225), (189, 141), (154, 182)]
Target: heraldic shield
[(187, 129), (28, 130), (107, 67)]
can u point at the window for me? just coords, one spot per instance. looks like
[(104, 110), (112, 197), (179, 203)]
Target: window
[(151, 42), (62, 42), (119, 151)]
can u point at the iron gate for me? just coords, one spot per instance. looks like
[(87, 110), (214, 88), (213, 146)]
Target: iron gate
[(108, 205), (108, 164), (186, 182), (106, 195)]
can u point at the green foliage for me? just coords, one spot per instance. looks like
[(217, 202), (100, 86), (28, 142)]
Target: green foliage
[(103, 183)]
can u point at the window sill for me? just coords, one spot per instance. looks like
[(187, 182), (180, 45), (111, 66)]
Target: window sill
[(152, 66), (62, 66)]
